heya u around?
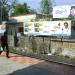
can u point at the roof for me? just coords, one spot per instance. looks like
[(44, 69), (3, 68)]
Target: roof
[(23, 15)]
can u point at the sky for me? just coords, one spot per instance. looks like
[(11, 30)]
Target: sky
[(35, 4)]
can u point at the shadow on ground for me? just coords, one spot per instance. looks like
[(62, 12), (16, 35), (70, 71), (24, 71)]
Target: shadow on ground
[(33, 70), (39, 68), (46, 69)]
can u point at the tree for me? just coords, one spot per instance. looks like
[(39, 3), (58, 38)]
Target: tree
[(32, 11), (46, 7), (4, 14), (20, 9), (5, 6)]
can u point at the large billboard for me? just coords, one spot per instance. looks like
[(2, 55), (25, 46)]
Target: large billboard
[(65, 11), (48, 28)]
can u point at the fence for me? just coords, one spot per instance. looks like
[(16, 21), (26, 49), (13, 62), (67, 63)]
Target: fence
[(44, 45)]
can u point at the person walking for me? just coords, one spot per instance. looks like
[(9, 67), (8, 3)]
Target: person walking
[(15, 40), (4, 44)]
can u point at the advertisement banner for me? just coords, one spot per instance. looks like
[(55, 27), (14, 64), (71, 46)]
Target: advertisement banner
[(48, 28), (65, 11)]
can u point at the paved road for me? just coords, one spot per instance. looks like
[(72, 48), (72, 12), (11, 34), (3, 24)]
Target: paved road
[(9, 67)]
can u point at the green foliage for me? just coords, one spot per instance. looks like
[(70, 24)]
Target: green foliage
[(5, 6), (70, 19), (20, 9), (46, 7), (4, 14)]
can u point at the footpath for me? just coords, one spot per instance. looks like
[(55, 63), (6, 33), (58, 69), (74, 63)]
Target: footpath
[(23, 65)]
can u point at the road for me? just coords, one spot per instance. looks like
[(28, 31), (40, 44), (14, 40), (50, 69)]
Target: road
[(30, 67)]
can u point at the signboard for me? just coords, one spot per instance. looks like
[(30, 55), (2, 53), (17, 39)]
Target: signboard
[(48, 28), (2, 29), (65, 11)]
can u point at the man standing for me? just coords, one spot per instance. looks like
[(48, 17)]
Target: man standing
[(72, 12), (4, 43)]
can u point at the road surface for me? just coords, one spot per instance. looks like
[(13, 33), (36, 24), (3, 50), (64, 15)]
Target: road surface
[(18, 65)]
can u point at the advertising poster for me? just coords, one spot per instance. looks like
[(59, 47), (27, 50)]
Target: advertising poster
[(48, 28), (29, 28), (65, 11)]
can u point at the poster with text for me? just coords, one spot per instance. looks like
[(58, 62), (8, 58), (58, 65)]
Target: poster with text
[(65, 11), (48, 28)]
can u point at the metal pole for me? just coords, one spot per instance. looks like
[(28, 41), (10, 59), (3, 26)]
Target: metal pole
[(50, 45), (1, 12)]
